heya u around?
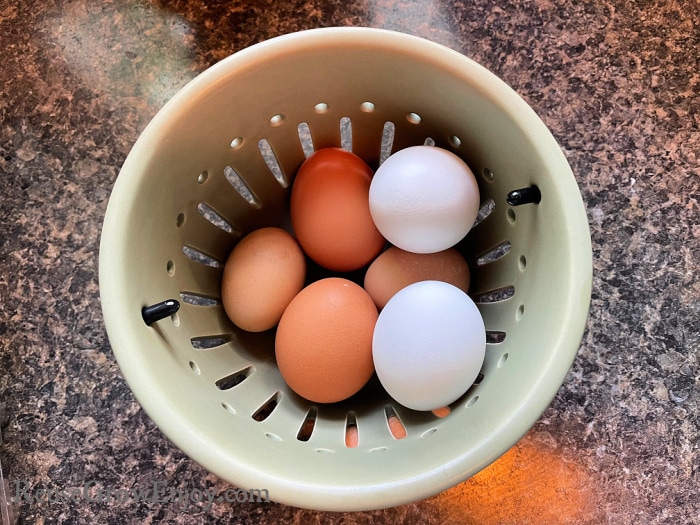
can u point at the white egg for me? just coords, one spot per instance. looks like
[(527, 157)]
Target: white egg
[(424, 199), (429, 345)]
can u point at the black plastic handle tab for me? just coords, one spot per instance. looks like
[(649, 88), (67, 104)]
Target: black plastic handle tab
[(159, 311)]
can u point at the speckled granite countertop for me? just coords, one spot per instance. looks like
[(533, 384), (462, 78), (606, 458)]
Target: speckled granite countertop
[(617, 82)]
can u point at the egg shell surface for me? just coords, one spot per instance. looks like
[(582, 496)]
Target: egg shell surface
[(424, 199), (329, 209), (429, 345), (323, 344), (263, 273), (396, 268)]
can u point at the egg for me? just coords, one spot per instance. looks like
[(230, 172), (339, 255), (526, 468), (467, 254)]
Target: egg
[(429, 345), (263, 273), (323, 343), (424, 199), (329, 209), (396, 268)]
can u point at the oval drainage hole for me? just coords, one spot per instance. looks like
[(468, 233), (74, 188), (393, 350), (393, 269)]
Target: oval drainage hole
[(231, 380), (266, 409), (307, 427)]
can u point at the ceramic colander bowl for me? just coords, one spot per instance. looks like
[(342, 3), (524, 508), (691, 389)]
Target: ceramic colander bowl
[(218, 161)]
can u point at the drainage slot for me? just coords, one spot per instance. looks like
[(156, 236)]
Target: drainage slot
[(211, 215), (228, 382), (238, 184), (494, 296), (200, 257), (484, 211), (346, 133), (272, 163), (495, 337), (307, 143), (265, 410), (387, 141), (196, 299), (206, 342), (307, 427), (352, 436), (495, 253), (396, 427)]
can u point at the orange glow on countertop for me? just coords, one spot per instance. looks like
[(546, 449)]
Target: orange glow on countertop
[(529, 484)]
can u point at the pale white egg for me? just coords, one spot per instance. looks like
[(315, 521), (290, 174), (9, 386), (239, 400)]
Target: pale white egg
[(429, 345), (424, 199)]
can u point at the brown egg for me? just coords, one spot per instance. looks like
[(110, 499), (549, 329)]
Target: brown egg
[(396, 268), (324, 340), (262, 275), (329, 210)]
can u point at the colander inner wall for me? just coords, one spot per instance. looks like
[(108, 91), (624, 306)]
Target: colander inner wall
[(219, 160)]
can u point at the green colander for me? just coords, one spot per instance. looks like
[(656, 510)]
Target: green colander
[(218, 161)]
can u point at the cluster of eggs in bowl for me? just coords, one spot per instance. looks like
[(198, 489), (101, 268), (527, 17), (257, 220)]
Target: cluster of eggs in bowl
[(410, 320)]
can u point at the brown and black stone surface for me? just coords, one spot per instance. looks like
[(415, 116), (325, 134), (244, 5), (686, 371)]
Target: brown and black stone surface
[(617, 82)]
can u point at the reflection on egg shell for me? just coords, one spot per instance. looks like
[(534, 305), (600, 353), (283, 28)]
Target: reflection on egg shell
[(396, 268), (263, 273), (323, 344), (329, 210)]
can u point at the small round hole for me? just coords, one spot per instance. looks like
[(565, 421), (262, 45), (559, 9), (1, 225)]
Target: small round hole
[(511, 215), (321, 107), (367, 107), (520, 312), (488, 175), (203, 177), (413, 118), (473, 400), (170, 267), (502, 360), (522, 263), (237, 142), (228, 407), (276, 120), (455, 141), (180, 219), (195, 368), (175, 318), (429, 141)]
